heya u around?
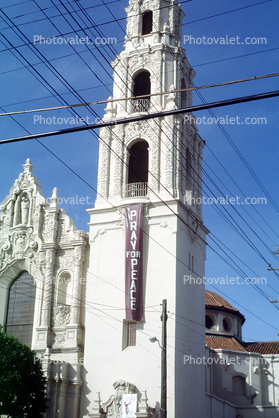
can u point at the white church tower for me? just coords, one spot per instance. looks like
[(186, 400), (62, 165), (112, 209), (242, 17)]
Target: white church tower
[(147, 237)]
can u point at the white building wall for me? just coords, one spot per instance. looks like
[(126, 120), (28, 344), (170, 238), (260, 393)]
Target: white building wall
[(105, 360)]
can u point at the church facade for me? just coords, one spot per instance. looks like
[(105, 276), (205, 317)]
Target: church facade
[(88, 303)]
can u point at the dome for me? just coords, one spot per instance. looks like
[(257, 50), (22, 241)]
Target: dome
[(216, 302)]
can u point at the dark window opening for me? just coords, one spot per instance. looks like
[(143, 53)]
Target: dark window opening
[(142, 88), (183, 94), (227, 325), (208, 322), (138, 163), (147, 23), (138, 170), (21, 305)]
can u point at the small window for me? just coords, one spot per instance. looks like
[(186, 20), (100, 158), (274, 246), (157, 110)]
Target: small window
[(238, 329), (227, 324), (147, 23), (188, 170), (191, 262), (183, 94), (129, 334), (209, 323)]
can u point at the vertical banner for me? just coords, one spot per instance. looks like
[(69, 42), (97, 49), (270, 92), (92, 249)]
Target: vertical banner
[(133, 262), (129, 402)]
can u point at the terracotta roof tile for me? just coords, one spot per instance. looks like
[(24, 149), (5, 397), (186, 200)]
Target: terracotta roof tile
[(212, 299), (226, 343), (231, 343), (263, 347)]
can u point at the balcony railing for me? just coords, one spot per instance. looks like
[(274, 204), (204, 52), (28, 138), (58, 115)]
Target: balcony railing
[(135, 189), (141, 105)]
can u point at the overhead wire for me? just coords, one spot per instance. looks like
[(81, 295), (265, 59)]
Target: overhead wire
[(18, 112), (92, 22), (107, 9)]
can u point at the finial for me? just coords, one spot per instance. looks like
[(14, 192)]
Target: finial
[(97, 403), (27, 166), (54, 197)]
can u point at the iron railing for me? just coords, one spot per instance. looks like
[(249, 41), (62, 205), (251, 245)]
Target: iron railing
[(135, 189), (141, 105)]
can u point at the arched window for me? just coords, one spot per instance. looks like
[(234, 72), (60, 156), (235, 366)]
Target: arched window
[(239, 385), (141, 88), (138, 169), (147, 23), (21, 303)]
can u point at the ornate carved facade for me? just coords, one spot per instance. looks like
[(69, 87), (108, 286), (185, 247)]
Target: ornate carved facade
[(38, 237)]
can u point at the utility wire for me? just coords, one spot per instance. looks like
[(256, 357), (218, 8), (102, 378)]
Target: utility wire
[(120, 121), (138, 97)]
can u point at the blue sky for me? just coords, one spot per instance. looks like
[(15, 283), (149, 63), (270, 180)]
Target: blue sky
[(24, 87)]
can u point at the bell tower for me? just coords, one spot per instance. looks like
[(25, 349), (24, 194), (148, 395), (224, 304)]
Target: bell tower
[(160, 158), (154, 164)]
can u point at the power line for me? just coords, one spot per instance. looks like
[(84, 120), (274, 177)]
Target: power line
[(138, 97), (196, 108)]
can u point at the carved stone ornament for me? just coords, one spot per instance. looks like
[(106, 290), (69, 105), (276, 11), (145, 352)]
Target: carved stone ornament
[(113, 406), (61, 315), (60, 337)]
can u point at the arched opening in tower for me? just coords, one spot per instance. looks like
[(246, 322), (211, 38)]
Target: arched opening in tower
[(141, 87), (147, 23), (138, 170)]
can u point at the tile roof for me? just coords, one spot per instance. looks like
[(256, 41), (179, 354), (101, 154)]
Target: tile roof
[(227, 343), (212, 299), (263, 347), (231, 343)]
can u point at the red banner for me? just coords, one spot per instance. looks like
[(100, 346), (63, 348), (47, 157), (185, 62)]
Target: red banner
[(133, 262)]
